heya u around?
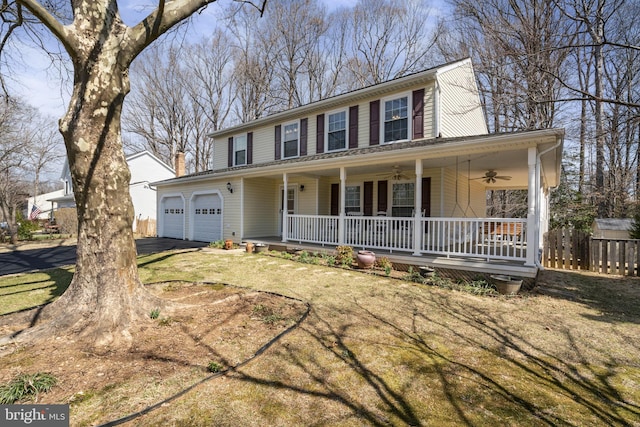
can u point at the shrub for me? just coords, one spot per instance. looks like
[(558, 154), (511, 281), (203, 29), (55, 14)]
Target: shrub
[(214, 367), (218, 244), (155, 313), (383, 263), (344, 255), (634, 232), (26, 227), (67, 220), (329, 259), (26, 386), (414, 276)]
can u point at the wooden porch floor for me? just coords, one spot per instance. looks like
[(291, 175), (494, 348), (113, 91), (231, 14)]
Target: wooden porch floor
[(402, 260)]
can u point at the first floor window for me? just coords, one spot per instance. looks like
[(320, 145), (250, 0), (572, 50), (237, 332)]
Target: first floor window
[(290, 140), (240, 150), (337, 131), (352, 199), (396, 119), (403, 199)]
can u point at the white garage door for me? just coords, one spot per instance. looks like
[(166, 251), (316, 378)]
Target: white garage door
[(173, 217), (207, 218)]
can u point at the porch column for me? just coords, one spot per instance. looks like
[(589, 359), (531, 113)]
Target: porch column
[(532, 198), (285, 206), (417, 217), (343, 189)]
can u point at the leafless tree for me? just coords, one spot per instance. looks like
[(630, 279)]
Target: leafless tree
[(389, 39), (105, 296), (45, 147), (13, 149), (253, 68)]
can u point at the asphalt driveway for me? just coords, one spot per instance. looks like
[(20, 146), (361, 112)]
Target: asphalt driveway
[(43, 257)]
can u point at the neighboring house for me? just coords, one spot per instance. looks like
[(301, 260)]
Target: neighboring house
[(44, 204), (145, 168), (401, 167), (612, 228)]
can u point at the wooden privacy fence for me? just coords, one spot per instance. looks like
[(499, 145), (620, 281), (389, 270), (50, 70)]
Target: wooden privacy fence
[(576, 250), (146, 227)]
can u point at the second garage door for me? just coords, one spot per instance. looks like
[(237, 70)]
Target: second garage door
[(207, 218)]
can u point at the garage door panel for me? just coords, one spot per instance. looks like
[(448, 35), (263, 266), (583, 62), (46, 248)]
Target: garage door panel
[(173, 217), (207, 218)]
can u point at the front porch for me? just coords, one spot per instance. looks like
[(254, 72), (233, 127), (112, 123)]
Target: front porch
[(474, 245)]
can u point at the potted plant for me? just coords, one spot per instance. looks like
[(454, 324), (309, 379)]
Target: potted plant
[(366, 259), (506, 285)]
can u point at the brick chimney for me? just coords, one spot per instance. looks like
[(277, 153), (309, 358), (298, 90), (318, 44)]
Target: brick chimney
[(179, 164)]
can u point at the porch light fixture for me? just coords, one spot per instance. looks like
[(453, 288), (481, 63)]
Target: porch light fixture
[(302, 187), (229, 187)]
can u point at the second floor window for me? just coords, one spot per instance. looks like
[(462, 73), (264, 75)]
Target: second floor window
[(240, 150), (290, 145), (396, 119), (337, 131)]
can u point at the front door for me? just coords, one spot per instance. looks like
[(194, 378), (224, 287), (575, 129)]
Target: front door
[(291, 205)]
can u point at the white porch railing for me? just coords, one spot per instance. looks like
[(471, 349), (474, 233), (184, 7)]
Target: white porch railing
[(488, 238)]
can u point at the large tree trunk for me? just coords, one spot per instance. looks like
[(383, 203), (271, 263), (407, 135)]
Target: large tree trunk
[(105, 296)]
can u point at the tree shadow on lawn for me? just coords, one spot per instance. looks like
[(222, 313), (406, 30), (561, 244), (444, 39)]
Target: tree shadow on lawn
[(588, 386), (614, 297), (61, 279)]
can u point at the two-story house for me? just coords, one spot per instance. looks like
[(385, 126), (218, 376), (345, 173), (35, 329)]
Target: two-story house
[(144, 168), (402, 167)]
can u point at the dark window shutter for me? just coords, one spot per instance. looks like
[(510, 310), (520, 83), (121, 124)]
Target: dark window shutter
[(418, 114), (303, 136), (335, 199), (382, 196), (368, 198), (426, 196), (353, 127), (250, 148), (374, 122), (278, 138), (230, 154), (320, 133)]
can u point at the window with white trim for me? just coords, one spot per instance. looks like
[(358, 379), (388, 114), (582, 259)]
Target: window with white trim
[(402, 199), (291, 140), (395, 119), (352, 199), (337, 131), (240, 150)]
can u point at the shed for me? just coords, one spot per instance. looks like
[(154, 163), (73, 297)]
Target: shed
[(612, 228)]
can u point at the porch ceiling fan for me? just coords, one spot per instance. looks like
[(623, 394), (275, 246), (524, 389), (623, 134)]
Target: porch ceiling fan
[(491, 176), (396, 174)]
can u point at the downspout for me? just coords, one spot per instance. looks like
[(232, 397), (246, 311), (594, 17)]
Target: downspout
[(436, 107), (538, 170)]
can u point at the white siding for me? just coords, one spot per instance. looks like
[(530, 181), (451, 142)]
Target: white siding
[(264, 136), (461, 113), (231, 218), (260, 207), (468, 201)]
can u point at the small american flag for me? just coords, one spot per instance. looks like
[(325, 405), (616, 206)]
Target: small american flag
[(35, 211)]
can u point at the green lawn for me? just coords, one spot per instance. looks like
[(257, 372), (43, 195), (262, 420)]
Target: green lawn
[(380, 351)]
